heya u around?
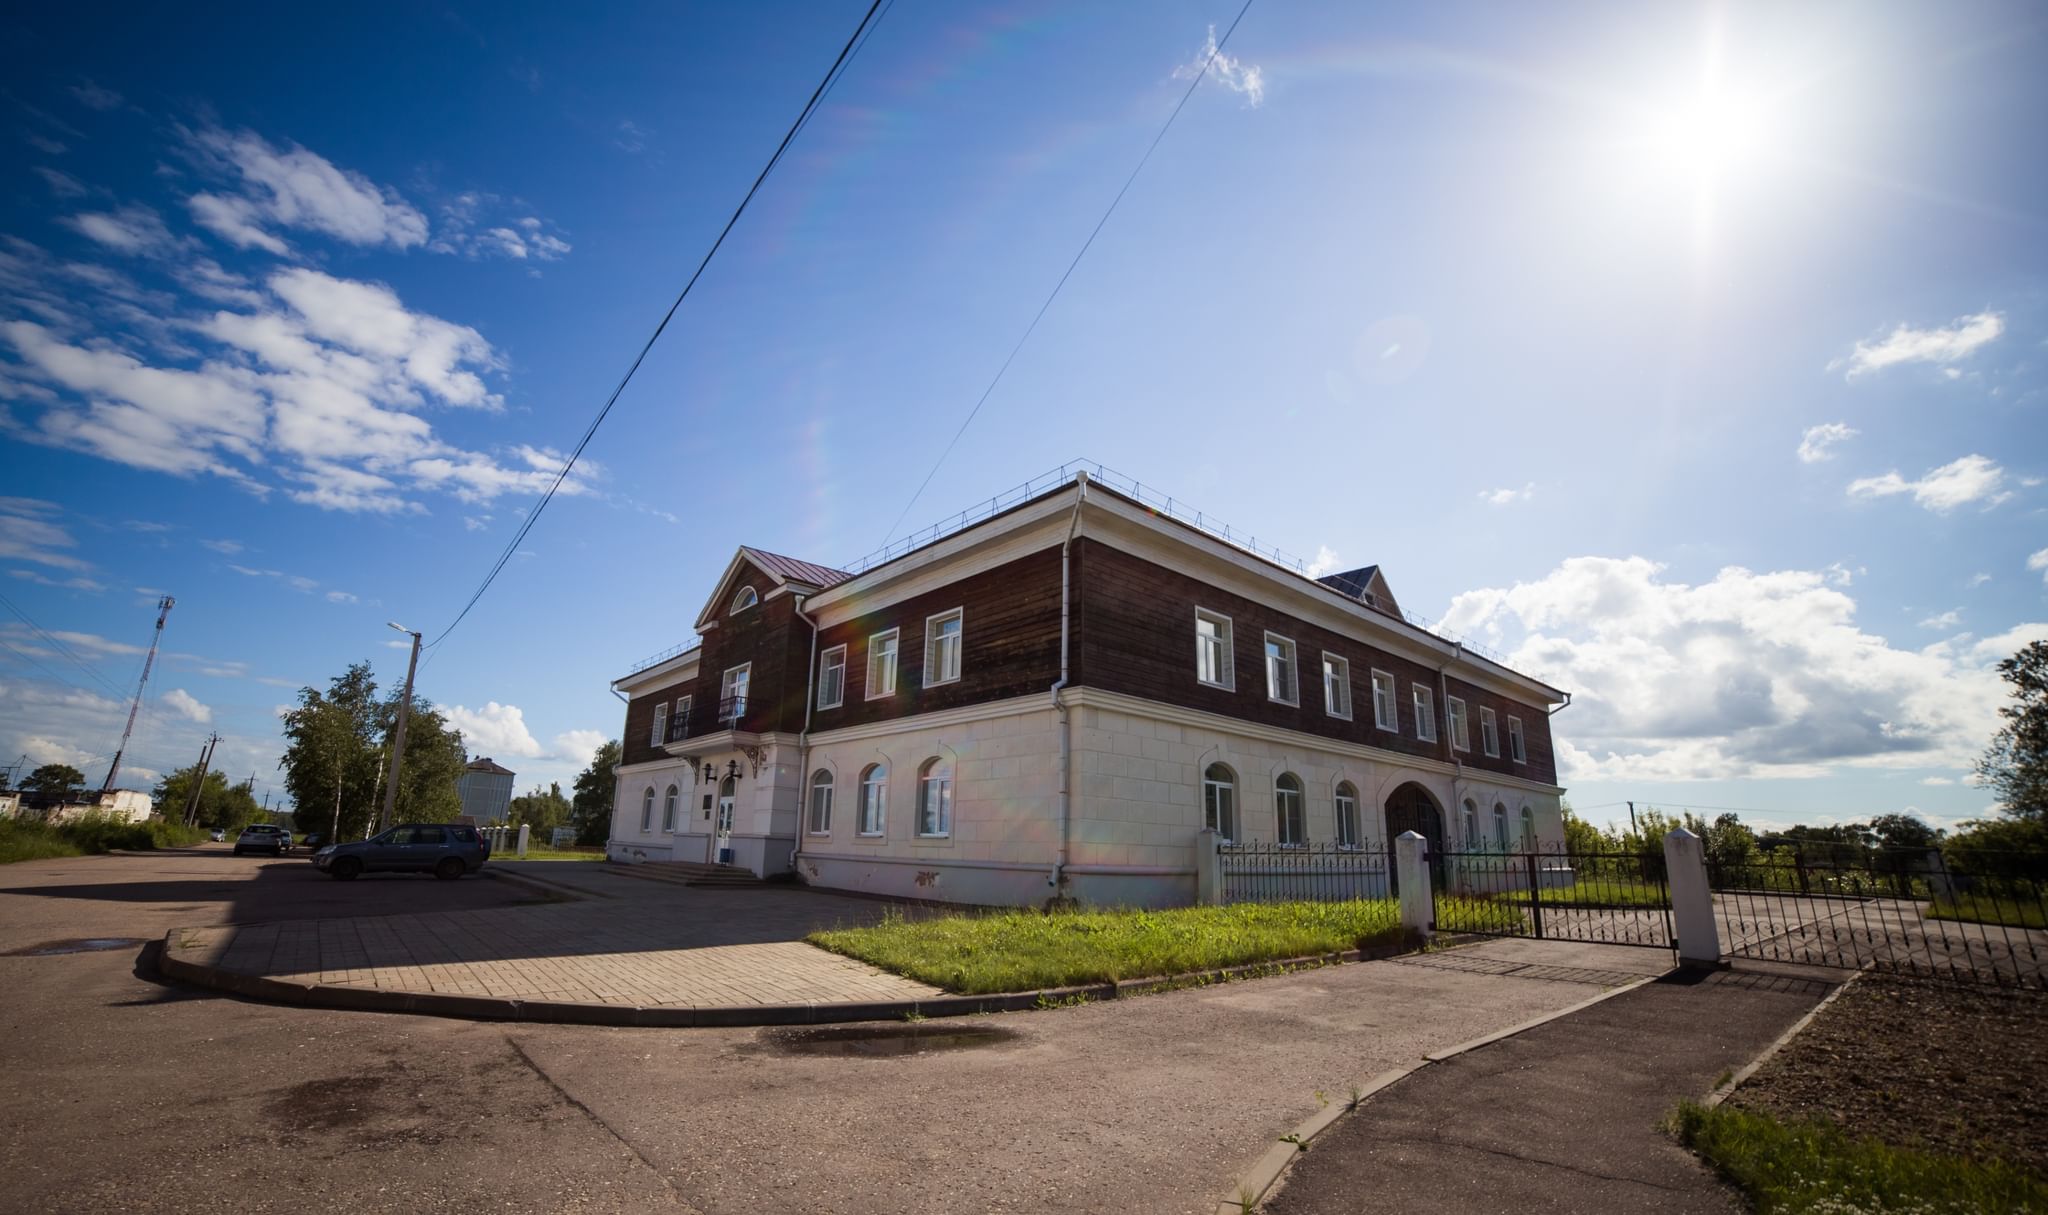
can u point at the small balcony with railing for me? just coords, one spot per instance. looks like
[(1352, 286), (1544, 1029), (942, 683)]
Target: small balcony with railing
[(732, 718)]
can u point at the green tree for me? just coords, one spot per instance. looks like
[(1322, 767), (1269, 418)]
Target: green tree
[(331, 753), (590, 806), (433, 762), (2015, 766), (54, 781), (228, 807), (541, 810)]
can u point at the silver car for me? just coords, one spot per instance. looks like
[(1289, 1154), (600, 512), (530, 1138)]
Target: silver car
[(445, 850), (262, 837)]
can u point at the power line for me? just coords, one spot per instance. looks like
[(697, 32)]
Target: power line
[(532, 516), (1214, 53), (62, 649)]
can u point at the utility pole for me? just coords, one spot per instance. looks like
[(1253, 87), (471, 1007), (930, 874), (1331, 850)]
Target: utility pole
[(1631, 817), (199, 786), (163, 610), (398, 743)]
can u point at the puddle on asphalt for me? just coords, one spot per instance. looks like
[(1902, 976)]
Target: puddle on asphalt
[(873, 1041), (77, 945)]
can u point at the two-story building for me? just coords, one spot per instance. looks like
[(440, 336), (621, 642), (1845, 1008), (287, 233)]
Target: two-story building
[(1054, 701)]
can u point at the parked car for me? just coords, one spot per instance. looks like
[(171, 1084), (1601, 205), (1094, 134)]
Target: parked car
[(445, 850), (219, 835), (313, 840), (262, 837)]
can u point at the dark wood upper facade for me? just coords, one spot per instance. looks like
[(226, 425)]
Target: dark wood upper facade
[(1132, 631)]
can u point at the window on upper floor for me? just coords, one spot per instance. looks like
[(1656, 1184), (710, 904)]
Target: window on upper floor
[(1489, 732), (882, 664), (942, 642), (1219, 801), (935, 799), (1289, 818), (743, 599), (732, 694), (1386, 706), (1347, 815), (1461, 737), (1214, 663), (1516, 749), (1282, 682), (1425, 714), (679, 721), (874, 799), (659, 734), (832, 677), (1336, 686), (821, 802)]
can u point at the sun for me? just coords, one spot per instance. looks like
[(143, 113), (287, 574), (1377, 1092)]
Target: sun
[(1705, 139)]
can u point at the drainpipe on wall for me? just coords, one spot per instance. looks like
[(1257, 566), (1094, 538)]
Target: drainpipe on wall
[(1457, 806), (1058, 878), (803, 740)]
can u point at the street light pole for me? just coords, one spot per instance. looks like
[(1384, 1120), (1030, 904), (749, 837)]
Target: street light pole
[(398, 743)]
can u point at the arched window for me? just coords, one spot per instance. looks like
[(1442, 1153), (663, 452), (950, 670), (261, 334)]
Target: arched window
[(821, 802), (1347, 816), (668, 809), (1219, 801), (1287, 809), (647, 810), (935, 798), (1500, 826), (874, 798), (742, 599), (1528, 829), (1472, 839)]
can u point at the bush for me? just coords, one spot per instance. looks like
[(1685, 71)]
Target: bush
[(34, 840)]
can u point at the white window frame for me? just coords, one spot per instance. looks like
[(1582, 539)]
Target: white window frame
[(1471, 825), (1220, 817), (1425, 712), (1518, 747), (1489, 732), (1461, 730), (814, 822), (742, 599), (647, 811), (1337, 691), (726, 686), (933, 658), (1346, 808), (894, 637), (1300, 796), (824, 665), (1528, 829), (1293, 689), (935, 780), (1384, 682), (1500, 826), (660, 726), (1225, 648), (668, 810), (878, 802)]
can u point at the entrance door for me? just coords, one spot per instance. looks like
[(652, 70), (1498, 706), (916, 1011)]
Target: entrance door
[(728, 794), (1411, 808)]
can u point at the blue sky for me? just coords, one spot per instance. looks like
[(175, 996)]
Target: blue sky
[(1690, 355)]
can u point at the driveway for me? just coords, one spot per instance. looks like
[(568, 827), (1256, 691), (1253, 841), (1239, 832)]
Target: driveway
[(122, 1094)]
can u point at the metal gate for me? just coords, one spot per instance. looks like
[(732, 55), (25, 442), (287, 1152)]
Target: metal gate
[(1603, 898), (1979, 917)]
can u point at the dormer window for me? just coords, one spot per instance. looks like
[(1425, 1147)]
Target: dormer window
[(746, 598)]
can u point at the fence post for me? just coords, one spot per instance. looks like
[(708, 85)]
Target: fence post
[(1692, 899), (523, 830), (1208, 869), (1411, 854)]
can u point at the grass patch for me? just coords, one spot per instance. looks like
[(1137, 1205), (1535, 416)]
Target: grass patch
[(1597, 893), (547, 854), (1796, 1168), (1977, 909), (34, 840), (1023, 950)]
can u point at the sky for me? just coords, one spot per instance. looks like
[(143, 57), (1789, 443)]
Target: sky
[(1691, 356)]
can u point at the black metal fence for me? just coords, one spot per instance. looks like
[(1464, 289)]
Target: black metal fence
[(1557, 893), (1279, 873), (1977, 917)]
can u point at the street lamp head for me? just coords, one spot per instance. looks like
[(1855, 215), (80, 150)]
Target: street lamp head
[(401, 628)]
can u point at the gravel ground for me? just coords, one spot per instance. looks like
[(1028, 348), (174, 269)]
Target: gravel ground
[(1957, 1069)]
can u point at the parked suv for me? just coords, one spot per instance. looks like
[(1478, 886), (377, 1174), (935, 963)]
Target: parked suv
[(263, 837), (443, 849)]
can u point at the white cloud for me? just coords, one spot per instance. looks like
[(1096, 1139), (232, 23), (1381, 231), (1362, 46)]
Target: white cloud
[(1508, 496), (186, 705), (1958, 340), (1937, 781), (1946, 620), (96, 96), (475, 523), (1971, 479), (62, 184), (629, 137), (291, 187), (28, 534), (225, 547), (1814, 444), (132, 229), (1977, 580), (2036, 561), (1325, 561), (341, 597), (1229, 71), (494, 729), (1748, 675), (478, 225), (69, 584), (577, 746)]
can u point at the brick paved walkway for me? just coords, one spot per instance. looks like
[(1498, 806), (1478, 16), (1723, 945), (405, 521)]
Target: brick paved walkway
[(653, 945)]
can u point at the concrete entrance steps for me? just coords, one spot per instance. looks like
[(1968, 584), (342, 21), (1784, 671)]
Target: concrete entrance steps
[(692, 873)]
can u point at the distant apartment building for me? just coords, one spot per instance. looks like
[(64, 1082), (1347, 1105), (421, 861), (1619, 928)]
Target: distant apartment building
[(485, 787)]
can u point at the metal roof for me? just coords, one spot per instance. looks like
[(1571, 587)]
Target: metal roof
[(789, 569)]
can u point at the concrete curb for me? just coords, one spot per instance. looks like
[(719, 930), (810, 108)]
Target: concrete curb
[(497, 1008), (1726, 1088), (1256, 1183)]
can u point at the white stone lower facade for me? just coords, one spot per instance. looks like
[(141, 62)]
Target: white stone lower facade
[(1136, 806)]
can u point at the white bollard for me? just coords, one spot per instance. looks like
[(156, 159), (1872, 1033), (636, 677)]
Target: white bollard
[(1692, 899), (524, 831), (1411, 858), (1208, 869)]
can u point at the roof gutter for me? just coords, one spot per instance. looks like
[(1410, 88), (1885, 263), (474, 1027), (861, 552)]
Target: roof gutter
[(1058, 878)]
